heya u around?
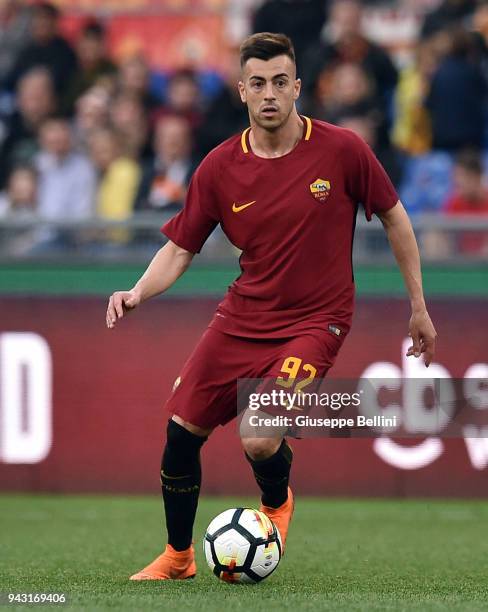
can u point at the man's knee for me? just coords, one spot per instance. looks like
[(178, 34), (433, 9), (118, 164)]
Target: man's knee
[(259, 449), (182, 446), (194, 429)]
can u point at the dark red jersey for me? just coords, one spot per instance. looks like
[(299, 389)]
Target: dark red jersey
[(293, 217)]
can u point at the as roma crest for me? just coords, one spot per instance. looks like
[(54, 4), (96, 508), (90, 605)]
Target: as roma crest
[(320, 189)]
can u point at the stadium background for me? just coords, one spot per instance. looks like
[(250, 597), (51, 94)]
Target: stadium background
[(81, 408)]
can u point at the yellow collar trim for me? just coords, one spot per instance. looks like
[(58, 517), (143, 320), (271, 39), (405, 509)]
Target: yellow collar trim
[(308, 132), (243, 140)]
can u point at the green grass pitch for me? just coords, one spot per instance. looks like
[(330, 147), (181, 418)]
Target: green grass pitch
[(354, 555)]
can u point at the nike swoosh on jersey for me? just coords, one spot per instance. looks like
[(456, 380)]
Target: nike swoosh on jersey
[(237, 208)]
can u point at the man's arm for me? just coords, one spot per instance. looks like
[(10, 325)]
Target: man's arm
[(167, 266), (402, 240)]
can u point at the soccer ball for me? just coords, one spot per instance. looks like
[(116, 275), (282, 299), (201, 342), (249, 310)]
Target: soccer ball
[(242, 545)]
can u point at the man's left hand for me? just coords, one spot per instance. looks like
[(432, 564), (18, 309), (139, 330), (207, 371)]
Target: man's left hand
[(423, 335)]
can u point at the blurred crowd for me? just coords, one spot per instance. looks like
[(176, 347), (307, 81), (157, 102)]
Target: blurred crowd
[(83, 136)]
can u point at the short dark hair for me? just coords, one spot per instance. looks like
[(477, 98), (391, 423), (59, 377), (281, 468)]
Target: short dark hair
[(184, 74), (23, 167), (265, 46), (47, 9), (93, 29), (470, 160), (55, 118)]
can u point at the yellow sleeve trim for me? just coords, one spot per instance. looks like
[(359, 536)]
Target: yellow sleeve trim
[(243, 140), (308, 131)]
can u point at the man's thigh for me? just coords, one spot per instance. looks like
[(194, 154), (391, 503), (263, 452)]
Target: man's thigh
[(304, 358), (297, 367), (205, 393)]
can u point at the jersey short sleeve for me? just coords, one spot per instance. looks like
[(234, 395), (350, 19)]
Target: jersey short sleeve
[(366, 180), (191, 227)]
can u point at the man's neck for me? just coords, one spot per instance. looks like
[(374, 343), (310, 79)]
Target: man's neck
[(269, 144)]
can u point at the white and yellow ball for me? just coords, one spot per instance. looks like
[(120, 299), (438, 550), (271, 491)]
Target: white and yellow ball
[(242, 545)]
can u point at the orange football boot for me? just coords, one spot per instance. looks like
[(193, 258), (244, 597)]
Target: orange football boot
[(171, 565), (281, 516)]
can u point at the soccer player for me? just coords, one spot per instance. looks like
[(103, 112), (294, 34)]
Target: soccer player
[(286, 192)]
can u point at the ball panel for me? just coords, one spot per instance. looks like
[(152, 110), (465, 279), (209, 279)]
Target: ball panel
[(222, 519), (280, 541), (235, 577), (266, 559), (207, 549), (231, 548), (256, 523), (245, 579)]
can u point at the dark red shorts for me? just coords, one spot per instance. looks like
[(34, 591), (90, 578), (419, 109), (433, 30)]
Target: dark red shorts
[(205, 393)]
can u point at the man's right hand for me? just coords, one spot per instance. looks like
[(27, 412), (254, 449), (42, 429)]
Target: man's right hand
[(119, 303), (166, 267)]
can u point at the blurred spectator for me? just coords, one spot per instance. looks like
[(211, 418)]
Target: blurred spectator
[(35, 101), (165, 179), (342, 41), (133, 81), (470, 194), (129, 120), (119, 176), (47, 48), (426, 182), (412, 131), (365, 126), (19, 201), (480, 34), (19, 198), (93, 63), (301, 20), (346, 90), (92, 111), (67, 180), (480, 21), (183, 97), (448, 13), (15, 19), (457, 97), (226, 114), (469, 197)]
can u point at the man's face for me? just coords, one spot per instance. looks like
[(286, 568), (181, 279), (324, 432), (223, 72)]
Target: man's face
[(90, 50), (103, 149), (467, 183), (270, 89), (345, 16), (172, 138), (43, 27), (35, 98), (56, 138)]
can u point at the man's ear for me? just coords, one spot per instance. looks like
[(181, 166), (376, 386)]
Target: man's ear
[(298, 87), (242, 91)]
